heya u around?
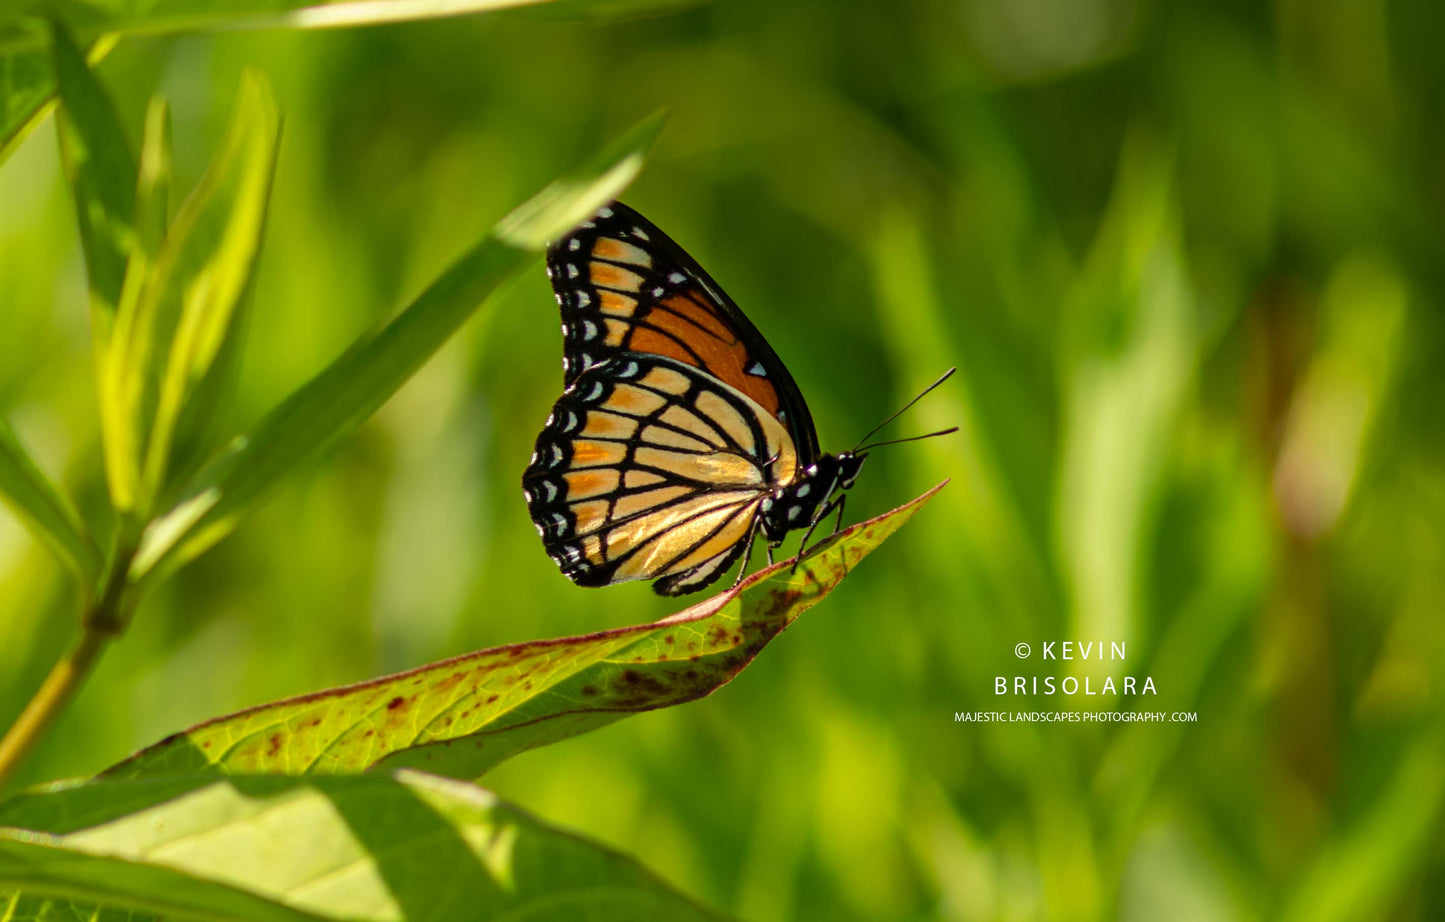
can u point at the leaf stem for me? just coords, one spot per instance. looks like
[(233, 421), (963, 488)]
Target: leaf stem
[(102, 621)]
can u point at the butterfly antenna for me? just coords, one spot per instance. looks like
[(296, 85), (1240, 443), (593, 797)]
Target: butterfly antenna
[(911, 438), (941, 378)]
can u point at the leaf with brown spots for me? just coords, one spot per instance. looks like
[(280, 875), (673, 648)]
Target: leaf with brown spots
[(462, 716)]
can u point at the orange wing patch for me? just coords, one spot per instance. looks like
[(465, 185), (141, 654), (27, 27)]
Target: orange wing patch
[(606, 275), (710, 345)]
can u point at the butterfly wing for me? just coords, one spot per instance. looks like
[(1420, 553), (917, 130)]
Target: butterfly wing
[(650, 468), (625, 287)]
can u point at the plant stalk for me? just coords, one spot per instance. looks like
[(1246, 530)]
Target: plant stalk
[(103, 620)]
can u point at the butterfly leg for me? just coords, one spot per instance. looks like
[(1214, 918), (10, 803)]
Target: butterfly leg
[(836, 502), (748, 556)]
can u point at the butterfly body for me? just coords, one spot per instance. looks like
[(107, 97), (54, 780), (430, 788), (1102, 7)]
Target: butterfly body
[(679, 435), (807, 498)]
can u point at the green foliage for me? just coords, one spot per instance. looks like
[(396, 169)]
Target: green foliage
[(383, 847)]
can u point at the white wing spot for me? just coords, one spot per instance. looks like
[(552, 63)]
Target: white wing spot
[(527, 493), (658, 291), (628, 370), (574, 244), (551, 490), (604, 212), (595, 392), (794, 512), (556, 456), (589, 330), (804, 490), (571, 422), (571, 271), (677, 278), (583, 299), (639, 232), (756, 369)]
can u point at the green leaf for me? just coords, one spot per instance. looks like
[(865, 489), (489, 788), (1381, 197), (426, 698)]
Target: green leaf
[(347, 392), (182, 296), (388, 846), (207, 264), (43, 508), (101, 171), (465, 715)]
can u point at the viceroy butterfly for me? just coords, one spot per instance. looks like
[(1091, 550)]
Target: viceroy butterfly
[(680, 433)]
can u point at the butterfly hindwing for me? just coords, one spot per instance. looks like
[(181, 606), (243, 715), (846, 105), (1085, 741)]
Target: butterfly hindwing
[(649, 468), (625, 287)]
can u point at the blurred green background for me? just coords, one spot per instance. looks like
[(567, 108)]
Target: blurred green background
[(1187, 257)]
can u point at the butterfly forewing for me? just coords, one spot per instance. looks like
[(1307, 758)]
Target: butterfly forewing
[(624, 287), (649, 468)]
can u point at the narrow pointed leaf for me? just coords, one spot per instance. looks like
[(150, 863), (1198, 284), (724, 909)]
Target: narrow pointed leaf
[(101, 171), (465, 715), (348, 391), (378, 848), (127, 372), (206, 267), (43, 508)]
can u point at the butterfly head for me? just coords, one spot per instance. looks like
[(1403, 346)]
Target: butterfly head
[(798, 504)]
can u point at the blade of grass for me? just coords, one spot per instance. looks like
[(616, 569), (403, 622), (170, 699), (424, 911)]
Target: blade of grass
[(383, 847), (44, 509), (347, 392), (463, 716)]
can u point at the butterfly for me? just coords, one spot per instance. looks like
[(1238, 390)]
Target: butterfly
[(680, 435)]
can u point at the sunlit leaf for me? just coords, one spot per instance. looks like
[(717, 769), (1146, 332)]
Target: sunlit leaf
[(126, 374), (137, 18), (43, 508), (348, 391), (387, 846), (465, 715), (206, 266)]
